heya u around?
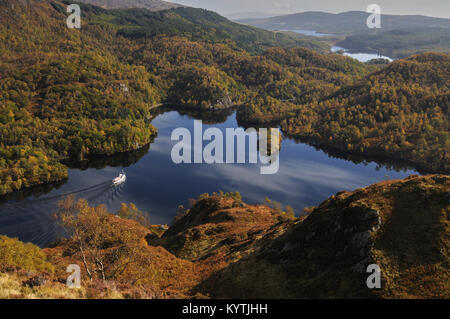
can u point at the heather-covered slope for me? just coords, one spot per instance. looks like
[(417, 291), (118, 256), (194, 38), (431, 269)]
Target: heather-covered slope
[(402, 226), (225, 248), (221, 228)]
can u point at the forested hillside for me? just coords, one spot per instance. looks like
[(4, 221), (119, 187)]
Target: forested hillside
[(193, 24), (400, 111), (400, 43), (152, 5), (68, 93), (62, 95), (74, 93)]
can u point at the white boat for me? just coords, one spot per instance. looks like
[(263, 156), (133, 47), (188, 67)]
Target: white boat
[(120, 179)]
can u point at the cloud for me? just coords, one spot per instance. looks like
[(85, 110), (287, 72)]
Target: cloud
[(300, 182)]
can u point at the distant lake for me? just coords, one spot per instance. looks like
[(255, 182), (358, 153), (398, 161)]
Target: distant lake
[(311, 33), (361, 57), (306, 177)]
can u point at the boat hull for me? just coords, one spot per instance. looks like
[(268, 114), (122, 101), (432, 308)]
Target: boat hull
[(119, 180)]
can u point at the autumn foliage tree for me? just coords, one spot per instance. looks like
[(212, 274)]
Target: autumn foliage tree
[(105, 245)]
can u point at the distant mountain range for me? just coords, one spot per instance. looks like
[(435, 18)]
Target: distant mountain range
[(343, 23), (152, 5)]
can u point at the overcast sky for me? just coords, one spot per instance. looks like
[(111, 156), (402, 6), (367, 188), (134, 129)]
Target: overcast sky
[(435, 8)]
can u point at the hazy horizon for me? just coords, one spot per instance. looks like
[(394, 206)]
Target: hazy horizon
[(265, 8)]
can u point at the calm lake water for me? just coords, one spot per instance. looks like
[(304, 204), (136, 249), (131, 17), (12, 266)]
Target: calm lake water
[(360, 56), (306, 177), (310, 33)]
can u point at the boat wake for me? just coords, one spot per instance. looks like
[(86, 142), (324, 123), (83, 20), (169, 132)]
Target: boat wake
[(27, 202), (33, 220)]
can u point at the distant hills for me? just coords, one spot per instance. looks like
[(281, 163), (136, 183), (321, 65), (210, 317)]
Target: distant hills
[(152, 5), (343, 23), (399, 36), (400, 43)]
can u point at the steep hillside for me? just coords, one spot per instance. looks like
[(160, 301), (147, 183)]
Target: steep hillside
[(402, 226), (400, 111), (62, 95), (152, 5), (224, 248), (221, 228), (196, 25)]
